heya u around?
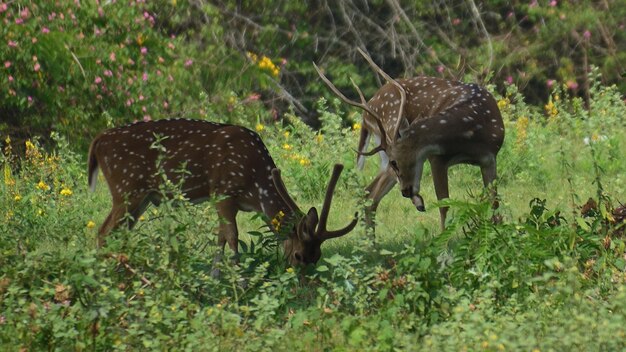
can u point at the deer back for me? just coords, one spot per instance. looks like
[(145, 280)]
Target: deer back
[(208, 158), (474, 108)]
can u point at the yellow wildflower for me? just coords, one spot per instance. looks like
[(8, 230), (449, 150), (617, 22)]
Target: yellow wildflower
[(276, 221), (287, 146), (8, 179), (91, 224), (305, 162), (43, 186), (503, 103), (259, 127), (140, 39), (290, 270), (232, 100), (17, 198), (252, 56), (551, 109), (142, 218), (521, 126), (40, 212), (356, 126), (286, 134), (66, 192), (319, 138)]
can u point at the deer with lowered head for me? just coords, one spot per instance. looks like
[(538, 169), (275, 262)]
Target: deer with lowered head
[(219, 160), (426, 118)]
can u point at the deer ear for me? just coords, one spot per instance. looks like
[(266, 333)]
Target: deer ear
[(306, 227)]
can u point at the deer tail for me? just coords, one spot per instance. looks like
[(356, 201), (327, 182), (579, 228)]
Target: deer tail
[(92, 162)]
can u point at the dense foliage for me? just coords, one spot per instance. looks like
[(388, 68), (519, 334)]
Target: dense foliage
[(75, 67), (551, 275)]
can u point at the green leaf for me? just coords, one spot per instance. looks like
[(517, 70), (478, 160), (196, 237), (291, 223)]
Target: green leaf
[(583, 224)]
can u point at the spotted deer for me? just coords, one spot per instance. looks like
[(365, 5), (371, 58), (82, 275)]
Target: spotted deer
[(219, 160), (426, 118)]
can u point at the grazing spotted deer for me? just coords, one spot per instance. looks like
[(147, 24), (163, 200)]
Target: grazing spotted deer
[(220, 160), (420, 118)]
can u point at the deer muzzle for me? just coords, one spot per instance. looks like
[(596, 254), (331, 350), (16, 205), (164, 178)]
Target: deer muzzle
[(418, 202)]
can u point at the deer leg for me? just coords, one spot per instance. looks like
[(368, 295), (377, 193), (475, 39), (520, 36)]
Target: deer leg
[(136, 207), (364, 141), (439, 169), (488, 171), (228, 233), (382, 184)]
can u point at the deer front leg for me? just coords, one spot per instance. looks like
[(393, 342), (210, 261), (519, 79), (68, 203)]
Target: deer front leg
[(227, 233), (439, 170), (489, 172), (382, 184)]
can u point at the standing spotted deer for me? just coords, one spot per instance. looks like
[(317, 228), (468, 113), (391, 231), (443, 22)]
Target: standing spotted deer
[(220, 160), (425, 118)]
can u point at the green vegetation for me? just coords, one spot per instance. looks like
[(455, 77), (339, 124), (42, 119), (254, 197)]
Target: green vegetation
[(550, 276)]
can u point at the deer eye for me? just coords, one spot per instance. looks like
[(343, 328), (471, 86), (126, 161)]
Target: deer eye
[(394, 165), (298, 256)]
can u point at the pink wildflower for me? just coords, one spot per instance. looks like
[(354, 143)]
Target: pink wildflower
[(144, 77), (550, 83), (553, 3), (45, 30), (10, 78), (7, 64), (12, 44), (112, 56), (98, 80), (573, 85), (108, 73), (188, 63), (147, 118), (3, 7), (36, 67), (440, 68), (509, 79), (19, 21), (587, 34), (144, 50)]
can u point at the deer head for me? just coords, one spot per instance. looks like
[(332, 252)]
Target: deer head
[(420, 118), (219, 160)]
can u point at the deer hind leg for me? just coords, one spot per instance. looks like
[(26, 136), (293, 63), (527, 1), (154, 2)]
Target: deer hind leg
[(439, 170), (135, 208), (382, 184)]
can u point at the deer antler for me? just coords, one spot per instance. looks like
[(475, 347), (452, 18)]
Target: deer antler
[(392, 81), (321, 232), (363, 105)]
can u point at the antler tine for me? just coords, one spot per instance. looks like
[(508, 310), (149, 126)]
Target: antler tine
[(363, 105), (321, 231), (282, 191), (392, 81), (330, 190)]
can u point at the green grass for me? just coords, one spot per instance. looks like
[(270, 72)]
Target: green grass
[(527, 283)]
